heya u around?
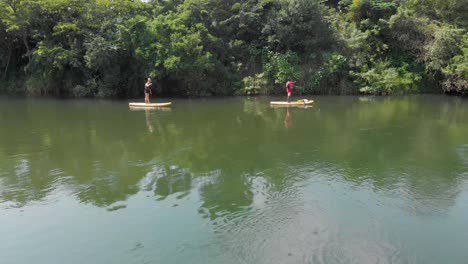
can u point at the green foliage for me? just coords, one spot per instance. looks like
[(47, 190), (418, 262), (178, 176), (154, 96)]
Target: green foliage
[(298, 25), (459, 63), (444, 47), (254, 85), (279, 67), (373, 10), (334, 63), (410, 33), (453, 12), (82, 91), (103, 48), (457, 71), (382, 79), (180, 50)]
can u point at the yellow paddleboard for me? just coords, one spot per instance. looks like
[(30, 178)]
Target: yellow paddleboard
[(292, 103), (149, 105)]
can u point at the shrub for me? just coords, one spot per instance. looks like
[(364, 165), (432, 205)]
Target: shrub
[(254, 85), (382, 79)]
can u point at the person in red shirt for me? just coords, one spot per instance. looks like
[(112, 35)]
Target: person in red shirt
[(289, 88), (148, 86)]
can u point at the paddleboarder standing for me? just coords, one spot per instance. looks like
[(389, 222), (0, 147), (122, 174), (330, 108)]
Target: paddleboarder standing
[(148, 86), (289, 88)]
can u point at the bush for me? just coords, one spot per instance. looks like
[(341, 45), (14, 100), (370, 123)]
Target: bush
[(382, 79), (457, 71), (444, 47), (371, 9), (254, 85), (279, 67), (11, 87), (329, 77), (82, 91)]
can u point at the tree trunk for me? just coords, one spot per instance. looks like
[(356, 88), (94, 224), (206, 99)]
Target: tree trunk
[(28, 50), (8, 63)]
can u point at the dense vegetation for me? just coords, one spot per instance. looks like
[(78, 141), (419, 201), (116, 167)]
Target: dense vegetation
[(105, 48)]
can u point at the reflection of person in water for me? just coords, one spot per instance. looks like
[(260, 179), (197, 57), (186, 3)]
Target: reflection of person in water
[(149, 123), (287, 119)]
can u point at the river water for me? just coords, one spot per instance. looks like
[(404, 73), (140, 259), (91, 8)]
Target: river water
[(348, 180)]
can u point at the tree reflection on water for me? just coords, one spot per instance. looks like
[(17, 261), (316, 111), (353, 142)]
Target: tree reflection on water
[(101, 153)]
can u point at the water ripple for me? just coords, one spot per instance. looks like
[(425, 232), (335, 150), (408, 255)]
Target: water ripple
[(463, 153), (283, 226)]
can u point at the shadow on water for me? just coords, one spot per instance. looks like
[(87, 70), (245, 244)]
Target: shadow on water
[(100, 152)]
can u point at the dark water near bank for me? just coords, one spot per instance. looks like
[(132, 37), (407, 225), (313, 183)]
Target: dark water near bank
[(349, 180)]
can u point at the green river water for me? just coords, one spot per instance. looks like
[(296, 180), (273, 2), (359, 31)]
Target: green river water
[(349, 180)]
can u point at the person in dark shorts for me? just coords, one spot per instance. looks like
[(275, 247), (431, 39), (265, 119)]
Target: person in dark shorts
[(148, 86), (289, 88)]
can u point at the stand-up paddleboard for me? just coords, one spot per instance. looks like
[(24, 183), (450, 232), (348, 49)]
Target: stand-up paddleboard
[(162, 108), (150, 104), (302, 102)]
